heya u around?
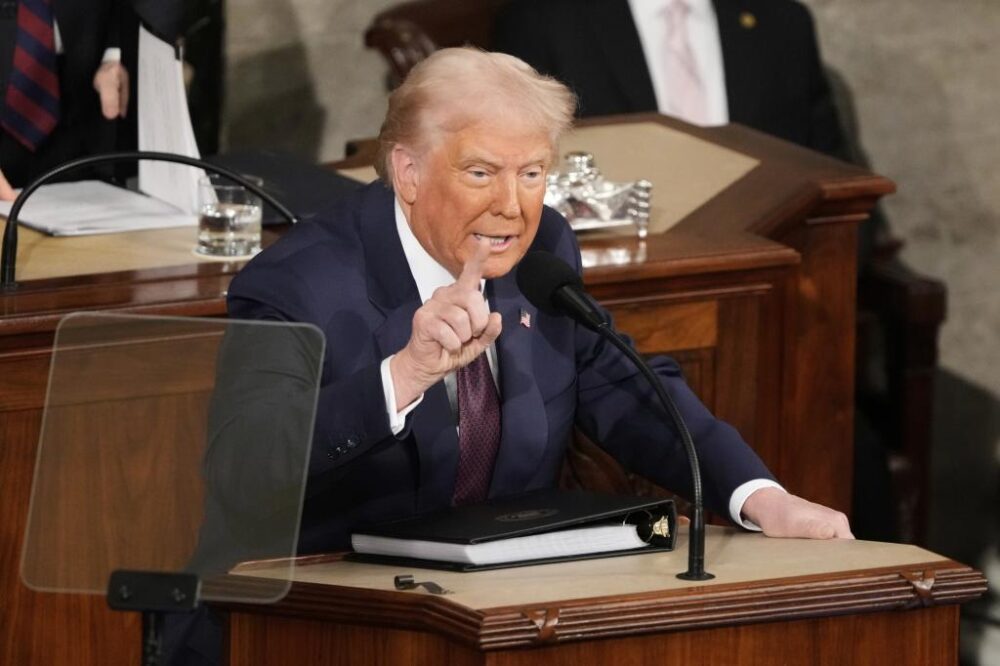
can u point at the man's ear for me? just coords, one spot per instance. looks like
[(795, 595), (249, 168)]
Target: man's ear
[(405, 173)]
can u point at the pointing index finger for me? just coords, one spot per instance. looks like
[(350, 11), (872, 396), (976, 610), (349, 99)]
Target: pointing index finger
[(472, 272)]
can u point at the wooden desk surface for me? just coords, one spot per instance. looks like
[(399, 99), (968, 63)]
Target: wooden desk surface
[(734, 556), (40, 256), (758, 579)]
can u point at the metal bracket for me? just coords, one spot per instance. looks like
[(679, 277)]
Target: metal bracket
[(405, 582), (922, 583), (153, 591)]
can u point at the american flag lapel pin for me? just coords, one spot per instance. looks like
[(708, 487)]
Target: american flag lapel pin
[(525, 318)]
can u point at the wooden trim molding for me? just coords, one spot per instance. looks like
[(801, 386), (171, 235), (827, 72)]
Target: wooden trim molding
[(887, 589)]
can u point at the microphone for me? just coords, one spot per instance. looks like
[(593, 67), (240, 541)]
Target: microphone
[(554, 288), (8, 255)]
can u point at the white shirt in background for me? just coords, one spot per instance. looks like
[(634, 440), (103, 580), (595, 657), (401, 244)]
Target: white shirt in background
[(703, 32)]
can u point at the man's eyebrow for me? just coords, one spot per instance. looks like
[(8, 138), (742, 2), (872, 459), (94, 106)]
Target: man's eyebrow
[(540, 158), (478, 158), (496, 164)]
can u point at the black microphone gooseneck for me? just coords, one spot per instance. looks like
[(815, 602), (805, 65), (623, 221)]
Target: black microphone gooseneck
[(8, 261), (555, 288)]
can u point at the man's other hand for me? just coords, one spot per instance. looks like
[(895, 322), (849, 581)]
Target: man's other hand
[(111, 83), (7, 193), (449, 331), (781, 514)]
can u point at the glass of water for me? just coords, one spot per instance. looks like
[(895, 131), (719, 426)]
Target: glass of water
[(228, 218)]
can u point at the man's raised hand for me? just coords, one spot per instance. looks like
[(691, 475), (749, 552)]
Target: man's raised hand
[(449, 331)]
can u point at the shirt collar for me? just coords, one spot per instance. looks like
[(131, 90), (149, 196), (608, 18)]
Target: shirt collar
[(426, 271)]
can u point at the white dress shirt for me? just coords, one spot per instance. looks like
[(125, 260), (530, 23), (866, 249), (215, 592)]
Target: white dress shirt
[(429, 275), (703, 33)]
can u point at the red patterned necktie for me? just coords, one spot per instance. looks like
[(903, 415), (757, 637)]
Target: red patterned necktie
[(478, 430), (31, 104)]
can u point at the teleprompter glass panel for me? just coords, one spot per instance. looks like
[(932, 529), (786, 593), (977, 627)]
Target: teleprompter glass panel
[(172, 444)]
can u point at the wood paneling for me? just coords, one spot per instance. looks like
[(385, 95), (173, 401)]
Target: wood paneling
[(264, 640), (25, 377), (917, 638), (117, 488), (45, 629), (820, 430), (657, 327), (737, 353), (883, 638)]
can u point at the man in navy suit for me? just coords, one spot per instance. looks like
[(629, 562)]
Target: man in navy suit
[(412, 281)]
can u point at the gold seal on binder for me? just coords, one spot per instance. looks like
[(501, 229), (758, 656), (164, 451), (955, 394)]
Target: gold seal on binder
[(650, 526), (661, 528)]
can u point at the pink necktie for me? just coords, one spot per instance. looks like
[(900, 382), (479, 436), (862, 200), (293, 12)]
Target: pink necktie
[(478, 430), (685, 90)]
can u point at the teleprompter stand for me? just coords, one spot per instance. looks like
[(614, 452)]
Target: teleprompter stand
[(153, 594), (171, 450)]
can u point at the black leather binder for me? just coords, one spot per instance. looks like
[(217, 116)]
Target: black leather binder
[(538, 512)]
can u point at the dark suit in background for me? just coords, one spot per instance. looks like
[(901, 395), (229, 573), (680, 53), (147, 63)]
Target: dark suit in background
[(87, 28), (773, 75)]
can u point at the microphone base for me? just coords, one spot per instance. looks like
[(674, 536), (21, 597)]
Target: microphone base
[(688, 575)]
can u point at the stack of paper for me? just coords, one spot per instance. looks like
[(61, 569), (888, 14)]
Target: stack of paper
[(94, 207), (165, 125)]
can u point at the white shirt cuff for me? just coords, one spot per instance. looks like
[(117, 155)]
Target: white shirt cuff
[(112, 54), (397, 419), (739, 497)]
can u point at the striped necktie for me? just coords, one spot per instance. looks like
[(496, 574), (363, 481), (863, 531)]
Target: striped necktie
[(478, 431), (31, 104)]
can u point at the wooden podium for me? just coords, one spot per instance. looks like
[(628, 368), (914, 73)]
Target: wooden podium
[(773, 601), (752, 289)]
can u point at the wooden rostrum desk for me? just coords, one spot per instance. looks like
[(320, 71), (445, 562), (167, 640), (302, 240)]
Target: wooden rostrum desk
[(752, 290), (774, 601)]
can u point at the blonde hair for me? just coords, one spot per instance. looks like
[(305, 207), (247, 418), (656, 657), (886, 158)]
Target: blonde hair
[(455, 87)]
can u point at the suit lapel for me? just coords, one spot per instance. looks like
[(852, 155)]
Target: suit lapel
[(739, 55), (394, 293), (622, 50), (524, 426)]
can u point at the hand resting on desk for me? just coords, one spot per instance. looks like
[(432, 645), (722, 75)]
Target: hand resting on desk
[(781, 514)]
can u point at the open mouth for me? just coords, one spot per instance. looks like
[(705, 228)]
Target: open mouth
[(496, 242)]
